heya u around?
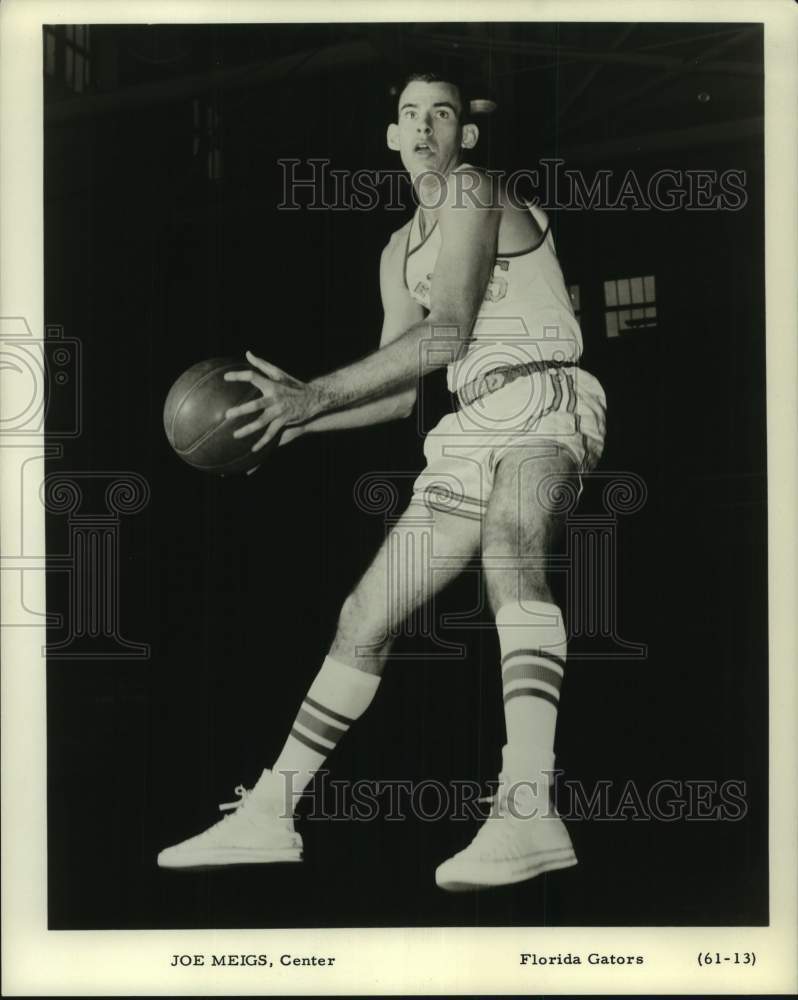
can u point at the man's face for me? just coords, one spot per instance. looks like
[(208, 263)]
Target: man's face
[(428, 133)]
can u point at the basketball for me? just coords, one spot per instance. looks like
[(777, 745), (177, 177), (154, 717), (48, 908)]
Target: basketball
[(195, 423)]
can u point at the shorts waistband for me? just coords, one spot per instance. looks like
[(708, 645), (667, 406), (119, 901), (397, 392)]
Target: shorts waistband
[(498, 378)]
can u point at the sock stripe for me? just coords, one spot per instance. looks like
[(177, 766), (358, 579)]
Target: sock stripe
[(540, 654), (320, 722), (532, 672), (324, 718), (533, 693), (318, 727), (537, 685), (309, 743), (316, 737), (328, 711)]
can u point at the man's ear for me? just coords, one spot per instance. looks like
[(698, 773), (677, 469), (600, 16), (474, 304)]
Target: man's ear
[(470, 136), (393, 137)]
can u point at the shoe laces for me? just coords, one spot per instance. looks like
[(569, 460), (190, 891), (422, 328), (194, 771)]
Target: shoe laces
[(496, 838), (242, 793), (506, 802), (239, 808), (236, 809), (499, 834), (499, 798)]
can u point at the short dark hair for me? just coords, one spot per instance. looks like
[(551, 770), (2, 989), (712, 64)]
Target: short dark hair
[(453, 80)]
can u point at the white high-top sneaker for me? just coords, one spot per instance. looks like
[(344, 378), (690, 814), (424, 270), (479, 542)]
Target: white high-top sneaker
[(523, 837), (258, 830)]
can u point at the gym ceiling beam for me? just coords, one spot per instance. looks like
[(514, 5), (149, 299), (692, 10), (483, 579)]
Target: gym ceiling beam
[(305, 64)]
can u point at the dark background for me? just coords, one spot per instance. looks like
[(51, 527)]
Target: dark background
[(163, 246)]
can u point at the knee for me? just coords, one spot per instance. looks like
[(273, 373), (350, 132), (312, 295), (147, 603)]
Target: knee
[(513, 573)]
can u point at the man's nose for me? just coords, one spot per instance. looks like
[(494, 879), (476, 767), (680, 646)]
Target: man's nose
[(423, 125)]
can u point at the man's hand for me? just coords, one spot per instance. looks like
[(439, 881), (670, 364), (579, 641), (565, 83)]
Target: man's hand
[(285, 401), (469, 236)]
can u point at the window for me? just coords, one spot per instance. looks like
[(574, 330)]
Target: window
[(76, 56), (206, 135), (49, 51), (630, 304), (67, 54)]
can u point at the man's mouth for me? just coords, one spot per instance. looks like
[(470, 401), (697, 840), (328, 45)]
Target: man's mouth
[(423, 147)]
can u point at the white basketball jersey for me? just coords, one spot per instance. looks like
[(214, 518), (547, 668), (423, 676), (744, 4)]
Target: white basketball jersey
[(526, 314)]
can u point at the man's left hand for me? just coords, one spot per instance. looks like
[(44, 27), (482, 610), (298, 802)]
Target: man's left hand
[(285, 401)]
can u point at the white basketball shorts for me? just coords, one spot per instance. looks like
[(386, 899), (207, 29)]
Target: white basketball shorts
[(549, 410)]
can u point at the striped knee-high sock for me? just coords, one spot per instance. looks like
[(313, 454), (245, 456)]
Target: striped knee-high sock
[(338, 696), (533, 647)]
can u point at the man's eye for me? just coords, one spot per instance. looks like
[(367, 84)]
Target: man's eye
[(443, 113)]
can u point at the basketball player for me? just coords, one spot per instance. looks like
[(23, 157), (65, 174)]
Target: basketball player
[(471, 283)]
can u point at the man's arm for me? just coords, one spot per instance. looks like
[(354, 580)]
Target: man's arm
[(469, 232), (400, 311)]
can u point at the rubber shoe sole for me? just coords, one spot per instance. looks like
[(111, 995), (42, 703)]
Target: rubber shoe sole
[(223, 856), (492, 874)]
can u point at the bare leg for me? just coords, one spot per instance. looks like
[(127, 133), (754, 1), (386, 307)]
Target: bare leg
[(523, 838), (521, 528), (423, 552), (420, 555)]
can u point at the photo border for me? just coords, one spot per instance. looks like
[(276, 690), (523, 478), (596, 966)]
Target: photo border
[(447, 960)]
